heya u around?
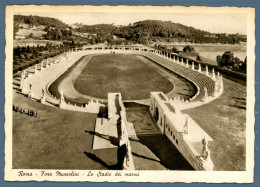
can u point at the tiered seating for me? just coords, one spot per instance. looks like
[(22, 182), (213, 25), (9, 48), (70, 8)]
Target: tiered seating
[(44, 78), (41, 80), (200, 79)]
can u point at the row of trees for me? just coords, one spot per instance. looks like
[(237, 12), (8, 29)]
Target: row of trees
[(57, 34), (24, 57), (166, 48), (186, 49)]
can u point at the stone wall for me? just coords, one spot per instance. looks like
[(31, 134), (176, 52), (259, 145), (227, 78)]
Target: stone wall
[(185, 134)]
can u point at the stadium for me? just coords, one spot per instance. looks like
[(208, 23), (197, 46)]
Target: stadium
[(127, 107)]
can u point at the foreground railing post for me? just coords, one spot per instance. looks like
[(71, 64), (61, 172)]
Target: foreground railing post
[(199, 68), (213, 74)]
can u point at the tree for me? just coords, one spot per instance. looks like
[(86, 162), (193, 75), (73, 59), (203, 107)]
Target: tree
[(28, 49), (188, 49), (26, 56), (228, 59), (174, 50), (30, 35), (243, 66), (17, 51), (219, 60)]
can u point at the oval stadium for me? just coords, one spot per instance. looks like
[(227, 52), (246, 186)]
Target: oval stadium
[(127, 107)]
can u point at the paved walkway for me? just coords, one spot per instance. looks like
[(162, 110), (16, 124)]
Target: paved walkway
[(67, 84), (105, 135)]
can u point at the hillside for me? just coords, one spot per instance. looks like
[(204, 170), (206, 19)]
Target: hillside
[(98, 33), (40, 28), (95, 29), (166, 31), (38, 20), (144, 32)]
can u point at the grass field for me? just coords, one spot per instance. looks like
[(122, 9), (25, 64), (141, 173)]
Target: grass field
[(225, 121), (56, 139), (120, 73)]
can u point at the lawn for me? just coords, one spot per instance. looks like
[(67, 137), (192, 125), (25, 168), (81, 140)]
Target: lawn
[(225, 121), (56, 139), (120, 73)]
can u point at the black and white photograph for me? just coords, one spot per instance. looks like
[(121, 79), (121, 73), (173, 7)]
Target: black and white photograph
[(125, 93)]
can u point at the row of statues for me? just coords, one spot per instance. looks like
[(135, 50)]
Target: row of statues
[(205, 154), (25, 83), (218, 88), (218, 81), (181, 60), (186, 136)]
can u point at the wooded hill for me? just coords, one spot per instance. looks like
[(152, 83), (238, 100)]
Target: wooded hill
[(38, 20), (144, 32), (56, 29), (167, 31), (96, 29)]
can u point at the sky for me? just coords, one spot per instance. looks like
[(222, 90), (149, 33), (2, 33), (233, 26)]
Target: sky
[(230, 23)]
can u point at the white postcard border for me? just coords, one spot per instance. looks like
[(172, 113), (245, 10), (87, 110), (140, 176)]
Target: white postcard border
[(143, 176)]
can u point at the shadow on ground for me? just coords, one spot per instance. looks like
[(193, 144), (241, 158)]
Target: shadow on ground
[(113, 140), (168, 154), (100, 161), (240, 103)]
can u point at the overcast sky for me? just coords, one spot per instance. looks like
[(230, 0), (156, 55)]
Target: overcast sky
[(212, 22)]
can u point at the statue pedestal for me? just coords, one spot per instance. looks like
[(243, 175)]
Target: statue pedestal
[(43, 100), (128, 163), (205, 100), (62, 105), (123, 140), (208, 164), (31, 95)]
